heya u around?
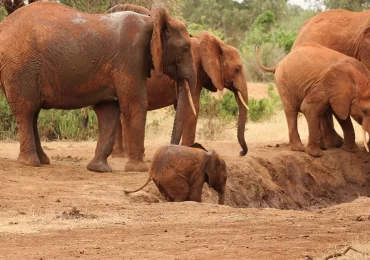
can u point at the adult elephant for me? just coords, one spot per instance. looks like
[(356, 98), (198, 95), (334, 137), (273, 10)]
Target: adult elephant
[(312, 78), (218, 66), (68, 59), (346, 32)]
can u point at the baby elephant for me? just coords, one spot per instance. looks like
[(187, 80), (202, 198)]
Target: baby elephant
[(179, 172)]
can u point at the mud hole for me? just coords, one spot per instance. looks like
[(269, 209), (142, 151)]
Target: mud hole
[(279, 205)]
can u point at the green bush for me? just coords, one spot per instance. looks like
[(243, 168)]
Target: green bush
[(226, 108), (265, 108), (8, 125)]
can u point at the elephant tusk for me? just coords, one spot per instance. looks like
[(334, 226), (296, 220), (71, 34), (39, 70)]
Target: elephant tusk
[(189, 97), (365, 142), (242, 100)]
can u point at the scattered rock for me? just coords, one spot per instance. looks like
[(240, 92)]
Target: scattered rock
[(74, 214)]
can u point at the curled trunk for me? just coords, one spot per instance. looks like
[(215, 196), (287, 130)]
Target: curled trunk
[(241, 122)]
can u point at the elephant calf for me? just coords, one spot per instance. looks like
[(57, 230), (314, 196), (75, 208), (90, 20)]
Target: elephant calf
[(179, 172)]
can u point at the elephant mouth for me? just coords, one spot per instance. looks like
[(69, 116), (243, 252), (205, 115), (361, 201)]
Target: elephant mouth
[(237, 91)]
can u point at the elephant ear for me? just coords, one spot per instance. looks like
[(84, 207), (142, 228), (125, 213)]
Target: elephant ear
[(160, 21), (340, 82), (211, 57), (198, 146), (212, 166)]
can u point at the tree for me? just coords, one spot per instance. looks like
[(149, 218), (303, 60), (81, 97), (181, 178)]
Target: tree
[(10, 6), (351, 5)]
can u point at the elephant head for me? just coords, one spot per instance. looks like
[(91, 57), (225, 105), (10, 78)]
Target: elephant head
[(171, 54), (216, 174), (224, 67), (171, 51), (348, 90)]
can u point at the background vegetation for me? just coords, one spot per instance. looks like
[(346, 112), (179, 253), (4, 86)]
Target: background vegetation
[(272, 24)]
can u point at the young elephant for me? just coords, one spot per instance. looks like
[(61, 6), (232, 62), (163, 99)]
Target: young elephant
[(312, 79), (179, 172)]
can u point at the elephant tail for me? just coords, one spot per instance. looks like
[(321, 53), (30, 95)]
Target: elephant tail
[(146, 183), (85, 120), (269, 69)]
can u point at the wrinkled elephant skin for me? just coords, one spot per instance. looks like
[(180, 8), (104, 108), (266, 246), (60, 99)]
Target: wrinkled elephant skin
[(67, 59), (346, 32), (313, 79), (179, 173)]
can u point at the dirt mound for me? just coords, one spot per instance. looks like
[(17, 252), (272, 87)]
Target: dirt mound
[(279, 178), (293, 180)]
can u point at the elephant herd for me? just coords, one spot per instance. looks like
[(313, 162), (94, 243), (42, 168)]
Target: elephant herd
[(325, 74), (123, 62), (130, 60)]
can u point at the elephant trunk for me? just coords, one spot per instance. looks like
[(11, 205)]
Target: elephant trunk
[(242, 100), (221, 198), (181, 109)]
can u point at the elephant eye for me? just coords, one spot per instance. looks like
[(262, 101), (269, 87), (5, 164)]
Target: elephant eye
[(237, 69), (364, 111)]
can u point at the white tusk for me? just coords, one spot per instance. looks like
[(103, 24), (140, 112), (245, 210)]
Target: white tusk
[(242, 100), (365, 142), (189, 97)]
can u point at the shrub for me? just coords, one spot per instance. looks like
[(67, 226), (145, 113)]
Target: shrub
[(269, 55), (264, 108), (226, 108)]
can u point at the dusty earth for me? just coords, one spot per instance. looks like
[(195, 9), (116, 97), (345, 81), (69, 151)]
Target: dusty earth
[(279, 205)]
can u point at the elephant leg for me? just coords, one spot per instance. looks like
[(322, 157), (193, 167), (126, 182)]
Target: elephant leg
[(291, 115), (108, 117), (118, 147), (28, 153), (195, 190), (313, 112), (349, 135), (331, 138), (174, 188), (44, 159), (133, 117)]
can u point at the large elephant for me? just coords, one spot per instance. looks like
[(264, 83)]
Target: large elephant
[(179, 172), (218, 66), (53, 56), (311, 79), (346, 32)]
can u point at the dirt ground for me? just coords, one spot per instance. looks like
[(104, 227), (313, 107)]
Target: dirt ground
[(279, 205)]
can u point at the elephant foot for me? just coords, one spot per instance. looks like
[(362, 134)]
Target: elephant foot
[(323, 146), (352, 148), (333, 141), (30, 159), (313, 150), (136, 166), (99, 166), (44, 159), (119, 153), (297, 147)]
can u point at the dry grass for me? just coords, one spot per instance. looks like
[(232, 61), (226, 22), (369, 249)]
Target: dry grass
[(273, 131), (362, 247)]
